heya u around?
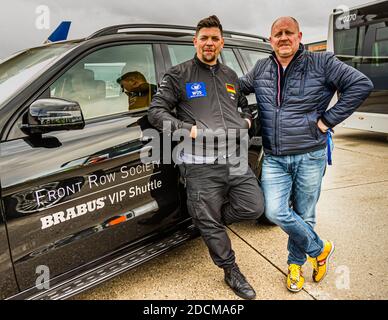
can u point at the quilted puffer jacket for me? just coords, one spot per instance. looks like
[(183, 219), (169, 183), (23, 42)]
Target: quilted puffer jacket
[(291, 104)]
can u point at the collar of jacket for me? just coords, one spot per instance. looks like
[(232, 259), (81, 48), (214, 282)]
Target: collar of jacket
[(298, 53), (205, 65)]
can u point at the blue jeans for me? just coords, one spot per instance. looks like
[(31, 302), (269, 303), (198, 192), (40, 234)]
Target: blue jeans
[(292, 185)]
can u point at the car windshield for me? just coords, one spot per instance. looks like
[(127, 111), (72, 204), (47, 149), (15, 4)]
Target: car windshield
[(18, 70)]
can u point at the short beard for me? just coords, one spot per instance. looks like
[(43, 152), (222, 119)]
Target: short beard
[(285, 55), (204, 57)]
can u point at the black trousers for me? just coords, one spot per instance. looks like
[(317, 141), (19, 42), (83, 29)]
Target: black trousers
[(216, 198)]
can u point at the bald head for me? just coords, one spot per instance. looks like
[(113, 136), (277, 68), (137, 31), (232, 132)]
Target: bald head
[(285, 38), (289, 19)]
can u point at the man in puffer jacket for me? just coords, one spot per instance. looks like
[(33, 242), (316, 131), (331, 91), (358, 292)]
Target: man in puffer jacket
[(293, 89)]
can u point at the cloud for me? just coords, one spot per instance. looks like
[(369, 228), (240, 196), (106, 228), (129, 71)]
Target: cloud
[(18, 30)]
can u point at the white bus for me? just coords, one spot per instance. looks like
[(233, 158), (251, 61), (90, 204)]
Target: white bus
[(359, 37)]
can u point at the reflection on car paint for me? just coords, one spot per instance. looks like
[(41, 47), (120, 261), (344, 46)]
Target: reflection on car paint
[(111, 222)]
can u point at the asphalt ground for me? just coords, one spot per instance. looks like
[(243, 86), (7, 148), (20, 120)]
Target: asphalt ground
[(352, 212)]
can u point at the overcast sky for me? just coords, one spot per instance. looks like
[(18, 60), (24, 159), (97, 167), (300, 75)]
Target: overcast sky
[(19, 19)]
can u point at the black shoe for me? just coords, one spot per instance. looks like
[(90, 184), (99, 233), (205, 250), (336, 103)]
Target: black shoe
[(236, 280)]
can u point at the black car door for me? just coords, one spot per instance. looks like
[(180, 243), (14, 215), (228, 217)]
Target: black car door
[(72, 197)]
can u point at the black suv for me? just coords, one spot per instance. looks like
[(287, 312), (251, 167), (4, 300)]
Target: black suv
[(78, 206)]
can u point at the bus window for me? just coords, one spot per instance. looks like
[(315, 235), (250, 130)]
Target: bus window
[(366, 49), (349, 42)]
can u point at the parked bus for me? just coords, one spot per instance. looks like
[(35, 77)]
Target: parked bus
[(359, 37)]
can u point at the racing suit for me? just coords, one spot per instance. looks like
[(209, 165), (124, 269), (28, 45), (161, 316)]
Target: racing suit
[(195, 93)]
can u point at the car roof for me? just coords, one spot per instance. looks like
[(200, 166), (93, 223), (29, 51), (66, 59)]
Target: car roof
[(166, 33), (164, 29)]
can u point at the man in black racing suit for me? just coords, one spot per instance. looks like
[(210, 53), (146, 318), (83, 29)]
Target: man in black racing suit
[(201, 96)]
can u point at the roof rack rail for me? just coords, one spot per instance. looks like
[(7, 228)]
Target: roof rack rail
[(169, 29)]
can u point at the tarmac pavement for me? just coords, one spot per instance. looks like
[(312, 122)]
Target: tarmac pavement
[(352, 211)]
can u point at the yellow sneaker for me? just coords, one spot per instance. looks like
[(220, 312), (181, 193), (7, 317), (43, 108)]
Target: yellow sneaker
[(321, 263), (295, 279)]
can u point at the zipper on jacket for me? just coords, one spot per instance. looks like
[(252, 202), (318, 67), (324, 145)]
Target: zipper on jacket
[(277, 122), (218, 98), (278, 84), (301, 90)]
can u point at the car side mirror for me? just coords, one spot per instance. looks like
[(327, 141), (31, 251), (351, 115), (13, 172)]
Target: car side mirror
[(52, 114)]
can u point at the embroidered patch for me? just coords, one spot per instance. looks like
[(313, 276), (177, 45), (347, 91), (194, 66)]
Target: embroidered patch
[(230, 88), (195, 90)]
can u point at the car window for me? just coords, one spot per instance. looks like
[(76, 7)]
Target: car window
[(180, 53), (111, 80), (18, 70), (231, 61), (251, 56)]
